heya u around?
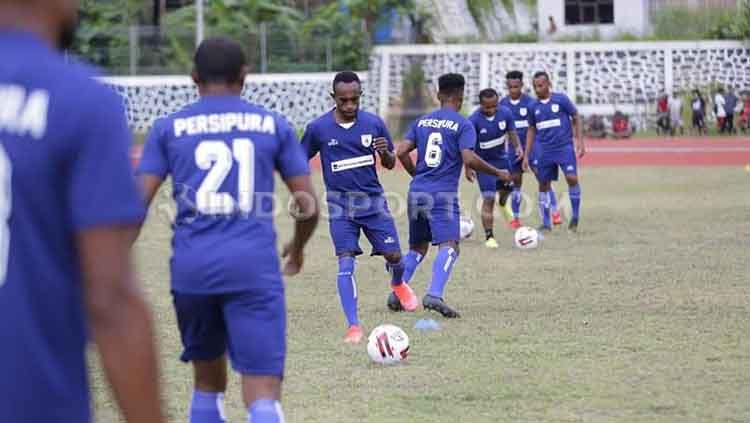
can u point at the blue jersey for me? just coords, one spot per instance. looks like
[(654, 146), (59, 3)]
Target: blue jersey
[(492, 135), (64, 168), (440, 137), (347, 156), (552, 119), (222, 153), (520, 109)]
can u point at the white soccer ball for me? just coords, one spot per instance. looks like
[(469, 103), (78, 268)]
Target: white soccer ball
[(526, 238), (467, 227), (388, 344)]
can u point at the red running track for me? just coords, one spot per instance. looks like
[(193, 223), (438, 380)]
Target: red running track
[(647, 152)]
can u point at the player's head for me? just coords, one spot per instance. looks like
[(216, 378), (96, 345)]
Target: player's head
[(220, 67), (514, 83), (541, 85), (55, 20), (451, 90), (347, 90), (488, 99)]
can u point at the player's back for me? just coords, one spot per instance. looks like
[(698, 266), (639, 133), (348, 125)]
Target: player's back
[(439, 137), (63, 169), (222, 153)]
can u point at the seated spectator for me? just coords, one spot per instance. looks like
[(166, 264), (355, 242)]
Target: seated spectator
[(595, 127), (621, 126)]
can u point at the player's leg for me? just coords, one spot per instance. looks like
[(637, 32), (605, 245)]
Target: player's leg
[(487, 189), (380, 230), (516, 197), (570, 167), (545, 173), (553, 208), (504, 190), (203, 334), (345, 236), (445, 226), (419, 233), (256, 325)]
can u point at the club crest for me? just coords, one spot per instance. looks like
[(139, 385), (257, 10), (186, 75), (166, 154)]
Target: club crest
[(555, 108), (524, 111), (366, 140), (501, 125)]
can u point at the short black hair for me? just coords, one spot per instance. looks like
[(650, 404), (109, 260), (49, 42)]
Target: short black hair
[(515, 74), (346, 77), (541, 74), (488, 93), (219, 60), (451, 83)]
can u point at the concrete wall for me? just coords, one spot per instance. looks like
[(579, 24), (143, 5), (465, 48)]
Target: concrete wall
[(631, 16)]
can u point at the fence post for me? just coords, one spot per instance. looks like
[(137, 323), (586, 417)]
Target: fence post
[(385, 76), (133, 49), (329, 54), (263, 47), (570, 61), (668, 71), (484, 70)]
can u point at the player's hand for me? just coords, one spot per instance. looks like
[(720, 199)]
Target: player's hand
[(295, 257), (520, 154), (580, 150), (504, 175), (381, 145), (471, 174)]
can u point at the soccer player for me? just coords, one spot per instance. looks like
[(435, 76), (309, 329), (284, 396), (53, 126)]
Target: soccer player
[(445, 142), (555, 126), (68, 209), (221, 153), (520, 104), (493, 125), (349, 140)]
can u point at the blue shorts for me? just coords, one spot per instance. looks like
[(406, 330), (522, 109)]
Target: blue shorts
[(251, 325), (433, 218), (490, 184), (379, 229), (546, 167)]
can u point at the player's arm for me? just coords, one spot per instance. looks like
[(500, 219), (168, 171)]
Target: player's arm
[(580, 146), (473, 162), (152, 168), (403, 152), (306, 219), (513, 135), (120, 323), (530, 137), (383, 145), (310, 145)]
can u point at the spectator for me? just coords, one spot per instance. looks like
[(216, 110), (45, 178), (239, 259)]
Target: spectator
[(621, 126), (675, 114), (745, 113), (662, 115), (595, 127), (730, 104), (698, 105), (719, 110)]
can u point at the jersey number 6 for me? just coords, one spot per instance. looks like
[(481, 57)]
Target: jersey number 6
[(218, 159), (433, 155)]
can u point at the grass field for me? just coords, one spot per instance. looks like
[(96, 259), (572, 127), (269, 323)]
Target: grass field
[(643, 316)]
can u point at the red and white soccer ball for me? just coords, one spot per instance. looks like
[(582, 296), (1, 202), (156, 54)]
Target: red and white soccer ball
[(467, 227), (526, 238), (388, 344)]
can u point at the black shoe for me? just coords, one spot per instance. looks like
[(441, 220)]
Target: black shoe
[(437, 304), (393, 303), (545, 229), (573, 227)]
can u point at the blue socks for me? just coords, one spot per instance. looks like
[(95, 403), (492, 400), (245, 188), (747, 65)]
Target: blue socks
[(552, 200), (265, 411), (515, 202), (411, 262), (397, 272), (207, 407), (348, 289), (575, 199), (544, 209), (441, 270)]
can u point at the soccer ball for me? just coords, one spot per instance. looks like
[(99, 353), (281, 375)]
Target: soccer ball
[(526, 238), (467, 227), (388, 344)]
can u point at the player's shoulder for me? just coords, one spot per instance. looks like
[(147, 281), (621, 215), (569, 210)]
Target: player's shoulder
[(474, 116), (560, 96), (320, 121), (370, 118), (504, 111)]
